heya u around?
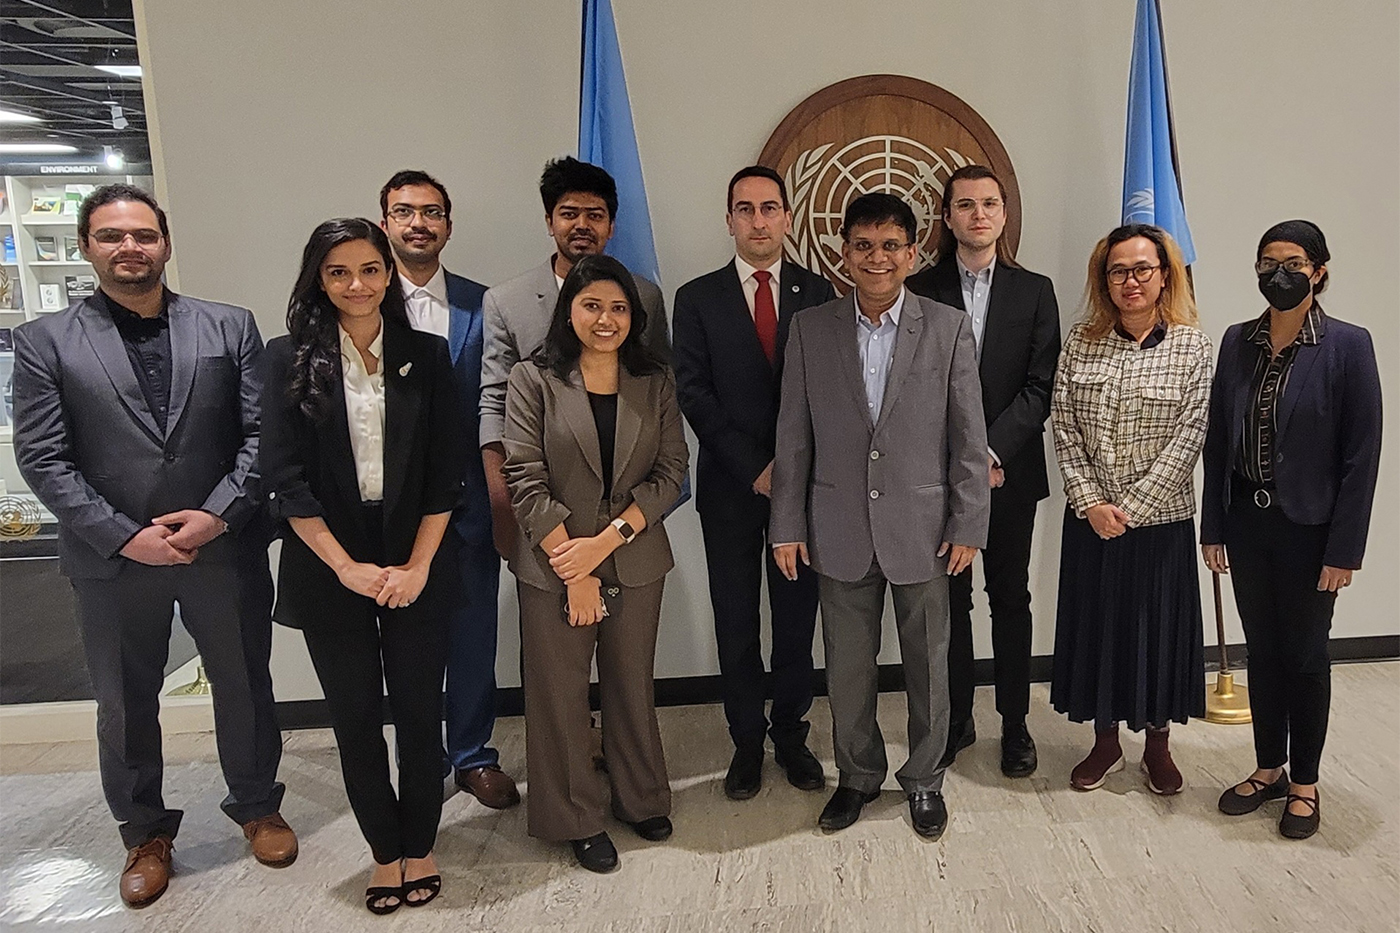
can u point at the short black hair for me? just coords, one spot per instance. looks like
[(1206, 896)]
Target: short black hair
[(413, 176), (562, 176), (757, 171), (876, 208), (111, 194)]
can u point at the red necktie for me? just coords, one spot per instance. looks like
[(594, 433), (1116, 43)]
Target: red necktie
[(765, 316)]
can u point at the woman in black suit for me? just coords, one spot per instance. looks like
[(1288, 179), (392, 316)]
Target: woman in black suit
[(361, 457), (1291, 459)]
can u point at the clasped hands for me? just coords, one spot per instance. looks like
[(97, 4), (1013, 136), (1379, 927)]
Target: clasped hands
[(394, 587), (574, 562), (174, 538)]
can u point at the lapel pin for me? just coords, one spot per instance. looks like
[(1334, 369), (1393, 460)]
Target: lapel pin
[(797, 288), (403, 370)]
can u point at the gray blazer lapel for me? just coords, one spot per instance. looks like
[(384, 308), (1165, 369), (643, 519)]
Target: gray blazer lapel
[(107, 344), (631, 402), (848, 352), (911, 329), (184, 354), (578, 415)]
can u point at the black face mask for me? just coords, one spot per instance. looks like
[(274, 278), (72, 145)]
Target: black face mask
[(1285, 290)]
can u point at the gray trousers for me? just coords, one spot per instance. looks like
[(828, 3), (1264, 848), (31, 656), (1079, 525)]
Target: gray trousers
[(851, 619)]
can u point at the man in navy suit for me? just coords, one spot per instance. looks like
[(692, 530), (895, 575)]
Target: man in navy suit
[(730, 328), (418, 221)]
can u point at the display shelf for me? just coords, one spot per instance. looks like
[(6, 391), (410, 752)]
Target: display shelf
[(48, 220), (60, 262)]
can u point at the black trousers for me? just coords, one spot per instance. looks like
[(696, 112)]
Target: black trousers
[(1006, 569), (737, 553), (405, 650), (1274, 569), (125, 624)]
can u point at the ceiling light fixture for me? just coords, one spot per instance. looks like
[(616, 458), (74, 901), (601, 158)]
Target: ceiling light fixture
[(35, 148), (14, 116), (113, 157), (121, 71)]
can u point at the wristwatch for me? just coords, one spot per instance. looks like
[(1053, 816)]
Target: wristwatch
[(623, 528)]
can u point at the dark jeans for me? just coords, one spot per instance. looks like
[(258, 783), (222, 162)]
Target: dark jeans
[(125, 623), (1006, 569), (1274, 569), (738, 555)]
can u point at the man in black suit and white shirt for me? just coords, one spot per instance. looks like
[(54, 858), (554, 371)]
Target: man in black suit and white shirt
[(1016, 323), (730, 329)]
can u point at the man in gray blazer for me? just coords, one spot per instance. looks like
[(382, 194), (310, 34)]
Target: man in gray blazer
[(881, 478), (136, 425), (580, 207)]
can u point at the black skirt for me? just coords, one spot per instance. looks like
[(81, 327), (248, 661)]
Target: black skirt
[(1128, 629)]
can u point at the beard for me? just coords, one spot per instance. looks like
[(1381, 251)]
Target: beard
[(132, 274)]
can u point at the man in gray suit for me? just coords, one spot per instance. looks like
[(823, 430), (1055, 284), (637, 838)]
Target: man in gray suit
[(881, 478), (580, 208), (136, 424)]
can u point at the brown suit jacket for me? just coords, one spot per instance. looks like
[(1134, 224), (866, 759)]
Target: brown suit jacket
[(554, 468)]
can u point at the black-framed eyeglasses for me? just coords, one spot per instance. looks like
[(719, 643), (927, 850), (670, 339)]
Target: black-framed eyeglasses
[(405, 214), (111, 236), (1139, 273), (1292, 264)]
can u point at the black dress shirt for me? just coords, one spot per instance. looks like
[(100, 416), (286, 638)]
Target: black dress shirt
[(605, 419), (1268, 385), (147, 341)]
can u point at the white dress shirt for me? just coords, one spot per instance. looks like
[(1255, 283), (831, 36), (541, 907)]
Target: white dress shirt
[(364, 410), (876, 343), (427, 304), (750, 284)]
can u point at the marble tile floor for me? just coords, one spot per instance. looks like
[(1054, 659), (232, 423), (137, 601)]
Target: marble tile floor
[(1029, 855)]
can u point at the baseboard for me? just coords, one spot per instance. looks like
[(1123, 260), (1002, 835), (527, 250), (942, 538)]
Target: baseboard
[(689, 691)]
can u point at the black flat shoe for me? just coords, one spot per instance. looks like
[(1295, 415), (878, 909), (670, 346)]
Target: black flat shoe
[(928, 813), (1294, 826), (596, 853), (745, 777), (429, 884), (844, 808), (1018, 758), (1233, 803), (383, 893), (803, 769), (653, 829), (960, 736)]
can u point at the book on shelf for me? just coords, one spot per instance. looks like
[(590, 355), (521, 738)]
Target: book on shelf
[(10, 255), (46, 204), (46, 248), (50, 297), (79, 286), (71, 253), (73, 196)]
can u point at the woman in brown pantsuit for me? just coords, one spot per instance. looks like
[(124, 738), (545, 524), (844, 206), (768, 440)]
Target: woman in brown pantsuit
[(595, 453)]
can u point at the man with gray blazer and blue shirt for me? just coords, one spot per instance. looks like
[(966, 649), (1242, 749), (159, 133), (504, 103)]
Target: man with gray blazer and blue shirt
[(580, 210), (417, 218), (137, 426), (881, 480)]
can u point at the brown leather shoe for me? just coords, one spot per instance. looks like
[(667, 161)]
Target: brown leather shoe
[(274, 843), (147, 871), (489, 784)]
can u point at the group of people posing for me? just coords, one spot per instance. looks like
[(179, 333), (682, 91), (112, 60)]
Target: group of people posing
[(847, 446)]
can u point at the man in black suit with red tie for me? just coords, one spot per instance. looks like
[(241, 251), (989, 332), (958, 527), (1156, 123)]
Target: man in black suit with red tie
[(1016, 323), (728, 333)]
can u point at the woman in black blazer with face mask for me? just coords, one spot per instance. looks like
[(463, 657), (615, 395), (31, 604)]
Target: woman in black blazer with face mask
[(362, 458), (1291, 459)]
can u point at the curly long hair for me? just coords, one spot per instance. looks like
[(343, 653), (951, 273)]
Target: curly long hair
[(312, 317), (561, 348), (1174, 305)]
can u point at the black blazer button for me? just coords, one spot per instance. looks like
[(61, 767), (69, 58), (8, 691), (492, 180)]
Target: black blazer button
[(169, 457)]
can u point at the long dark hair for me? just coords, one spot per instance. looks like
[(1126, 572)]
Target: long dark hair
[(561, 348), (312, 318)]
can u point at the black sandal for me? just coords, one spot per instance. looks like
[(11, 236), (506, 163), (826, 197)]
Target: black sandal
[(1293, 826), (430, 883), (1233, 803), (384, 892)]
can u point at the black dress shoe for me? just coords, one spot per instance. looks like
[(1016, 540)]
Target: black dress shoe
[(803, 769), (596, 853), (960, 736), (745, 776), (1233, 803), (844, 808), (1017, 750), (1294, 826), (928, 812), (653, 828)]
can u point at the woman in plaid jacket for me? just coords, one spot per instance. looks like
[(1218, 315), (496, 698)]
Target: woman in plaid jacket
[(1129, 415)]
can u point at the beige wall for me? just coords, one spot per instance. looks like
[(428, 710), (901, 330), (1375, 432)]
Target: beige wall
[(274, 116)]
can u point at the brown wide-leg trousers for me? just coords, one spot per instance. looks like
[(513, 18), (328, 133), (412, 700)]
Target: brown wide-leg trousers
[(568, 797)]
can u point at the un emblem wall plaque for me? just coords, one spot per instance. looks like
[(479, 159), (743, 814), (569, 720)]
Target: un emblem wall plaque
[(879, 133)]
